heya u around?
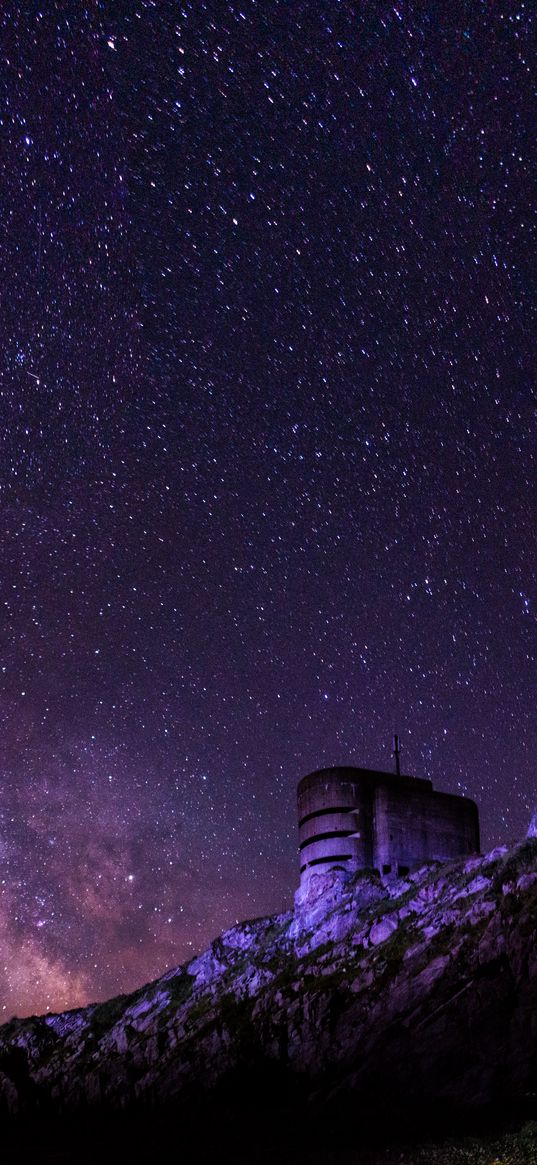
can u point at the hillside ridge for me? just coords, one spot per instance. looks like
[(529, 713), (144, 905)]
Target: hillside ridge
[(414, 992)]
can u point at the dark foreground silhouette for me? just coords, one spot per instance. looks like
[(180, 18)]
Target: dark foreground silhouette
[(264, 1134)]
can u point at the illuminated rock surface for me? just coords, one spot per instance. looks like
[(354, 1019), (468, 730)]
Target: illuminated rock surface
[(410, 996)]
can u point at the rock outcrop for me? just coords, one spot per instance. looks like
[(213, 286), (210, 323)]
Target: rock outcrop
[(418, 993)]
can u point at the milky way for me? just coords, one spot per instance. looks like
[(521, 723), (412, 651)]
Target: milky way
[(269, 438)]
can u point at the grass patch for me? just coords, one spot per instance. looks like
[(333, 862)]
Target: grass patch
[(394, 949), (201, 1010), (180, 988), (105, 1015), (518, 1148), (520, 860)]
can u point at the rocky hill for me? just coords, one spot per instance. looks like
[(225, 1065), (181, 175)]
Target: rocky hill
[(399, 1002)]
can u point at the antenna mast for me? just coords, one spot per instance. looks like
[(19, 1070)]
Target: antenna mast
[(397, 755)]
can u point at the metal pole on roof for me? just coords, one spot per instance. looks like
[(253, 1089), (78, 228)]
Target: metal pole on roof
[(397, 755)]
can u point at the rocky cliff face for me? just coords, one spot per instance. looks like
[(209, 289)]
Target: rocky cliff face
[(420, 992)]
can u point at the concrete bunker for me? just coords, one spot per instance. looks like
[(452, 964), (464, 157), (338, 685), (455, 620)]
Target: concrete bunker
[(358, 818)]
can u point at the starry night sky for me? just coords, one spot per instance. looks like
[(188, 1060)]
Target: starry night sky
[(269, 438)]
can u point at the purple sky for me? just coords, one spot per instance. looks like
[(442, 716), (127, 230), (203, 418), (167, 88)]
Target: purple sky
[(269, 437)]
